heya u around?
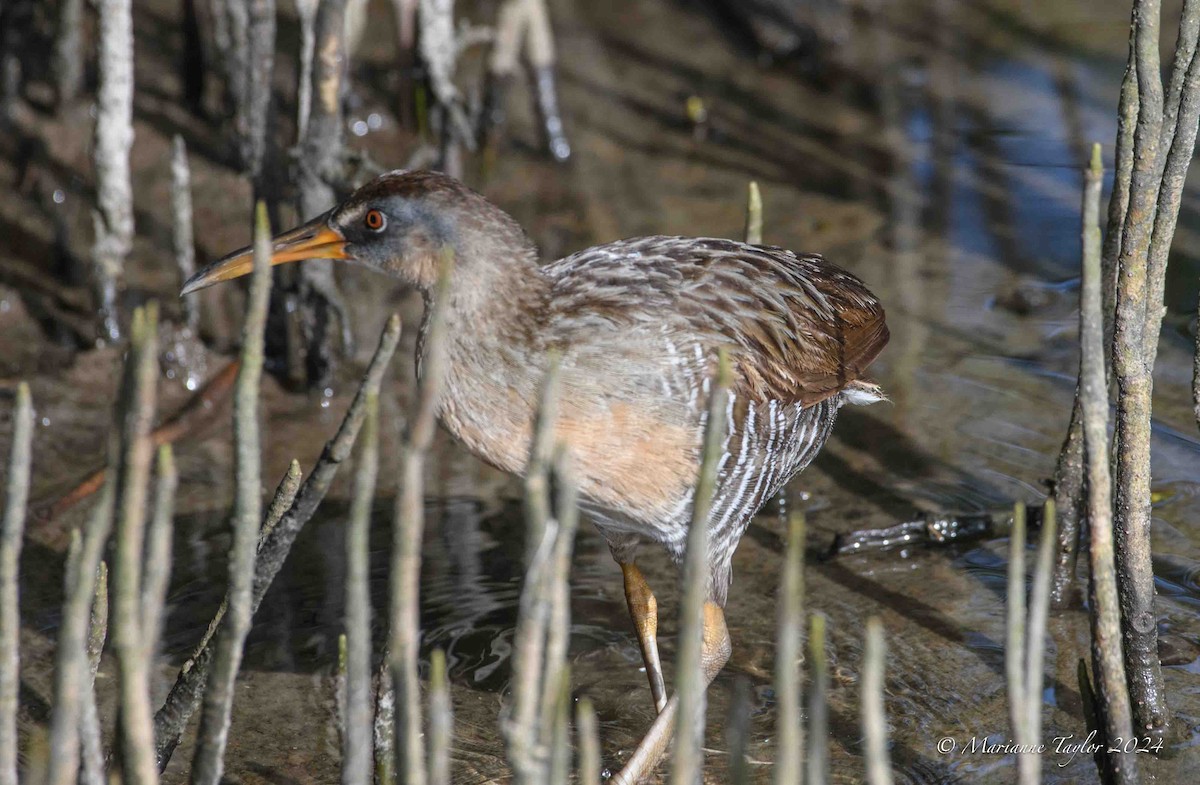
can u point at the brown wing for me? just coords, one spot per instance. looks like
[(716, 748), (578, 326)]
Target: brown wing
[(800, 328)]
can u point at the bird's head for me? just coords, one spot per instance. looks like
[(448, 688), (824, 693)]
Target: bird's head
[(400, 224)]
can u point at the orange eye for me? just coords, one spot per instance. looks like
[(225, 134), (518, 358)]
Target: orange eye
[(374, 220)]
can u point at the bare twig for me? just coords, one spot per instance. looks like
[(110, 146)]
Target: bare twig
[(818, 704), (113, 218), (356, 742), (754, 218), (253, 112), (1178, 144), (157, 573), (1014, 639), (1134, 386), (874, 718), (441, 720), (208, 762), (307, 11), (1068, 497), (589, 743), (319, 175), (559, 768), (541, 455), (1196, 371), (92, 771), (691, 684), (789, 733), (409, 531), (1105, 616), (136, 734), (558, 620), (1118, 205), (71, 657), (439, 51), (383, 727), (69, 53), (16, 498), (1029, 760), (522, 730), (181, 223)]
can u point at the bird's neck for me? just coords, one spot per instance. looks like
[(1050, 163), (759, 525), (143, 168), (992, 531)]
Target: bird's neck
[(495, 349)]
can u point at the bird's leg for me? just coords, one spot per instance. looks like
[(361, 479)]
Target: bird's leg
[(714, 653), (643, 609)]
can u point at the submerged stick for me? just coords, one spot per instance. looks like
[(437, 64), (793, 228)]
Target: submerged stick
[(1109, 666), (16, 498), (789, 732), (874, 718), (356, 741), (1196, 371), (208, 762), (277, 539), (409, 530), (689, 733)]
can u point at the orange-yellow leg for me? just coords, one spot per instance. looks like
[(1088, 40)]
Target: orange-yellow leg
[(643, 608), (713, 656)]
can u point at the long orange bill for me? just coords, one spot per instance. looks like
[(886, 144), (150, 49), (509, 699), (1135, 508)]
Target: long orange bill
[(314, 240)]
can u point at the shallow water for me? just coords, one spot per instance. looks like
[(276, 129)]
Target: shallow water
[(935, 153)]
